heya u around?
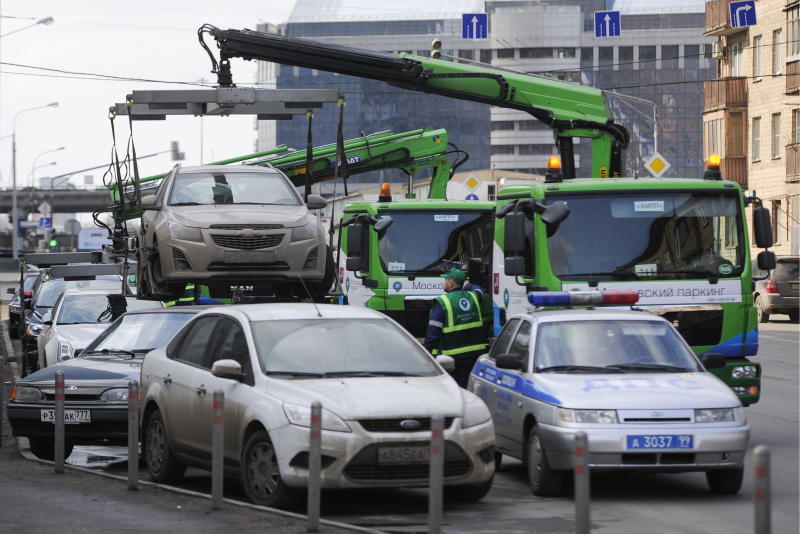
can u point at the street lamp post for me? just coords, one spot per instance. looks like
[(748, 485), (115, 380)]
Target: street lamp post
[(45, 21), (14, 213), (34, 167)]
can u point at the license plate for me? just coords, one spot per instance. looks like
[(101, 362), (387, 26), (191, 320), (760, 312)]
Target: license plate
[(71, 417), (235, 256), (403, 455), (660, 441)]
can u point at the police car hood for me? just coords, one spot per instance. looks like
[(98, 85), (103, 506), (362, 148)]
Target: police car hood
[(80, 335), (634, 391), (376, 397)]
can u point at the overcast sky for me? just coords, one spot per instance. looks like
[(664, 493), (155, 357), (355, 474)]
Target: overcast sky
[(143, 39)]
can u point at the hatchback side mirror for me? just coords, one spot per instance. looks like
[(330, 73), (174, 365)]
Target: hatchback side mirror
[(509, 361), (712, 360), (227, 369), (148, 202), (316, 202)]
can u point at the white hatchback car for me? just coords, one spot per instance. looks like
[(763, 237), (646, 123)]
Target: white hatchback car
[(377, 385)]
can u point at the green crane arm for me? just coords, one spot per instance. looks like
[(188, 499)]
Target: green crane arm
[(570, 110)]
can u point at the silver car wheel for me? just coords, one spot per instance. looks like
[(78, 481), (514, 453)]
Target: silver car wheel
[(262, 470), (156, 443)]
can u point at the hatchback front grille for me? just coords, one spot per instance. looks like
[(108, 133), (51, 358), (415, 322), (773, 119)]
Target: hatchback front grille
[(394, 425), (403, 472), (247, 242), (657, 420)]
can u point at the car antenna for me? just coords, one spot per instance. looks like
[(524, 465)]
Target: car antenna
[(319, 314)]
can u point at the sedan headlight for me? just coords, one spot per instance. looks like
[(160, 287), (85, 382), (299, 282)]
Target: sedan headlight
[(475, 412), (115, 394), (307, 231), (65, 351), (26, 394), (744, 371), (714, 415), (300, 415), (185, 233), (600, 417), (33, 329)]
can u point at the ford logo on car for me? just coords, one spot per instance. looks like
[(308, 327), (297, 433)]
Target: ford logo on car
[(409, 424)]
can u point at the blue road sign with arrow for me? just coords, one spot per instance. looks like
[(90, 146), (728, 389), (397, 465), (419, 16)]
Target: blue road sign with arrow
[(474, 26), (607, 24), (742, 13)]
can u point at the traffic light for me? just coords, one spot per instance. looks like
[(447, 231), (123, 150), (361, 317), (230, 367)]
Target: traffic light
[(436, 49), (177, 155), (53, 243)]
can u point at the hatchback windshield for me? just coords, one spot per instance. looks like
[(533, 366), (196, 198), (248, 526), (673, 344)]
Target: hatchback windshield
[(139, 333), (81, 309), (52, 289), (339, 347), (583, 346), (205, 188)]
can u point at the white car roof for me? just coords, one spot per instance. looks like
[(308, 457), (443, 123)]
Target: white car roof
[(228, 168), (601, 314), (276, 312), (93, 291)]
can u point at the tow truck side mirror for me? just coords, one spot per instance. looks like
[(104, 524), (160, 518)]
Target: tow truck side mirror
[(357, 252), (712, 360), (762, 227), (554, 215), (517, 261), (766, 261)]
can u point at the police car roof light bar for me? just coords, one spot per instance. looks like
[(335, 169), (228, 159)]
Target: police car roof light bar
[(583, 298)]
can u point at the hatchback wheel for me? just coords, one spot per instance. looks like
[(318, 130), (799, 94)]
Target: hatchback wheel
[(763, 315), (260, 476), (544, 482), (794, 316), (725, 481), (45, 448), (161, 464), (468, 492)]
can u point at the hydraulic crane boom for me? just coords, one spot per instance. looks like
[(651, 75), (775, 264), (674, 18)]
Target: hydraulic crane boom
[(570, 110)]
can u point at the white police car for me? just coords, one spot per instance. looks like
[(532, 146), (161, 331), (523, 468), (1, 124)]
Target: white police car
[(626, 378)]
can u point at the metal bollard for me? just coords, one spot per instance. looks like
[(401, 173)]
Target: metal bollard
[(133, 435), (436, 476), (217, 448), (314, 467), (58, 456), (582, 487), (2, 395), (761, 495)]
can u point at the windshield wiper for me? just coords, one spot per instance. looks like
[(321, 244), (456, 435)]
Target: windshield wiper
[(576, 368), (296, 373), (649, 367), (370, 373), (187, 204), (613, 274), (130, 353), (706, 273)]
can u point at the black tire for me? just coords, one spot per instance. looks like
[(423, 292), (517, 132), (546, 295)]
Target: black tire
[(319, 290), (44, 448), (794, 316), (468, 492), (161, 462), (498, 460), (763, 315), (260, 476), (543, 481), (13, 329), (725, 481)]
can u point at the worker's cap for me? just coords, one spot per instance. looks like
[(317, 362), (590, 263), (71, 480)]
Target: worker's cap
[(455, 274)]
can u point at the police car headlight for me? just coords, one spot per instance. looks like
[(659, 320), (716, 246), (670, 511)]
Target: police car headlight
[(185, 233), (300, 415), (744, 371), (26, 394), (600, 417), (475, 412), (115, 394), (714, 415), (65, 351), (307, 231)]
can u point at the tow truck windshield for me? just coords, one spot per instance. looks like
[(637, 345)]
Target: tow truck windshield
[(428, 242), (664, 235)]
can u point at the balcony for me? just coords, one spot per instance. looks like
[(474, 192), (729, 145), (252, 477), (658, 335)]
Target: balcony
[(725, 93), (792, 162), (717, 19), (793, 77), (734, 169)]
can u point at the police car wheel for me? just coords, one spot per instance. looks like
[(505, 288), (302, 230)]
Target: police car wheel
[(725, 481), (543, 481)]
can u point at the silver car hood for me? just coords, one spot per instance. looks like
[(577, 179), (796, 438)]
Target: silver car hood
[(650, 391), (375, 397), (204, 216)]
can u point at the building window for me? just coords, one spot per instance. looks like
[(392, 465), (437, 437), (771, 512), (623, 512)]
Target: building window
[(796, 126), (537, 53), (505, 53), (793, 26), (776, 52), (531, 125), (499, 150), (713, 135), (776, 135), (565, 52), (544, 150), (647, 57), (691, 56), (757, 57), (735, 131), (776, 213), (466, 54), (605, 56), (626, 56), (669, 56), (736, 59), (755, 134), (486, 57), (502, 125), (587, 55)]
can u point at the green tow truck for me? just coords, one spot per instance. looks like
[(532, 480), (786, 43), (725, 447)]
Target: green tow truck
[(681, 243)]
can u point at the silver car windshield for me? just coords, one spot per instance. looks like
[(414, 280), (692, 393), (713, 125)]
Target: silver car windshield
[(51, 290), (622, 346), (206, 188), (339, 347), (89, 309), (138, 333)]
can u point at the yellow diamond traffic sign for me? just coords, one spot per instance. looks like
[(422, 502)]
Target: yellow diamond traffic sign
[(657, 165), (472, 182)]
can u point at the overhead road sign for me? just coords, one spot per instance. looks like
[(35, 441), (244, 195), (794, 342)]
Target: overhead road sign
[(607, 24), (475, 26), (742, 13)]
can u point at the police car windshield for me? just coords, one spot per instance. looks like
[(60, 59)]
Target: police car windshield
[(627, 346), (318, 348), (658, 235), (427, 242), (206, 188)]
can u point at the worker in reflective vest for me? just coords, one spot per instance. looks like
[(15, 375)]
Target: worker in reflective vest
[(455, 326), (187, 299)]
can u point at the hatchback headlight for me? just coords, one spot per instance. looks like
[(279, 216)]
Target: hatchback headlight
[(115, 394), (600, 417), (307, 231), (300, 415), (26, 394), (65, 351), (744, 371), (185, 233), (714, 415), (475, 412)]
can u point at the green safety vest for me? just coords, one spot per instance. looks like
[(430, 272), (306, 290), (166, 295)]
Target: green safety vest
[(462, 330), (186, 300)]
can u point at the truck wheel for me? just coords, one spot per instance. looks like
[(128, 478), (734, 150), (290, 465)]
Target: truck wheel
[(468, 492), (161, 464), (725, 481), (763, 315), (44, 448), (260, 476), (543, 481)]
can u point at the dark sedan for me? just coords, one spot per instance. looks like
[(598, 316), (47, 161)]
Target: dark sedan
[(780, 291)]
